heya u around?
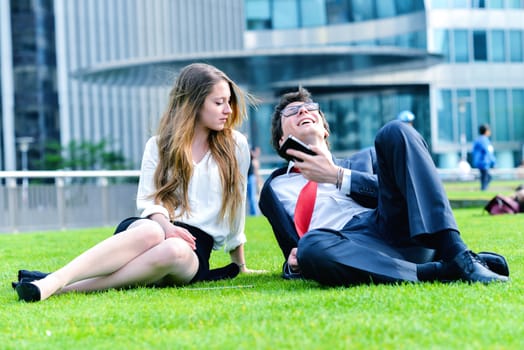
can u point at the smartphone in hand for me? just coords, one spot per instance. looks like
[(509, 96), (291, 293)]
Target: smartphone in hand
[(293, 143)]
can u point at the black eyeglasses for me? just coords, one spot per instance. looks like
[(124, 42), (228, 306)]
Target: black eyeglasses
[(292, 110)]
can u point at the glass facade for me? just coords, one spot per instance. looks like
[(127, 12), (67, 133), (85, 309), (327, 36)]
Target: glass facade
[(286, 14), (34, 75), (459, 102), (354, 117), (364, 61), (502, 109), (483, 64), (504, 45), (476, 4)]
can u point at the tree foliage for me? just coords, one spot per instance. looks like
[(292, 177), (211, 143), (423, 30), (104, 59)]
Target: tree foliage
[(83, 156)]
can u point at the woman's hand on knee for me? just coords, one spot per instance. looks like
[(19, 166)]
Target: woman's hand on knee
[(180, 232)]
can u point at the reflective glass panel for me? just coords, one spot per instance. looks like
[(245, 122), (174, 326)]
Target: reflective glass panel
[(460, 4), (478, 4), (258, 14), (496, 4), (516, 4), (461, 45), (313, 13), (482, 104), (439, 4), (464, 114), (445, 116), (518, 114), (285, 14), (497, 47), (337, 11), (363, 10), (386, 9), (405, 6), (441, 43), (500, 118), (515, 46), (368, 110), (479, 46)]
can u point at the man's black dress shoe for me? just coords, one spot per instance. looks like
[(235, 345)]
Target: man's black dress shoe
[(288, 274), (472, 269), (27, 291), (496, 262)]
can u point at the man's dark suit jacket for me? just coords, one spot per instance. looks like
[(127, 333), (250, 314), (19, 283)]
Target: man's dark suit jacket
[(364, 190)]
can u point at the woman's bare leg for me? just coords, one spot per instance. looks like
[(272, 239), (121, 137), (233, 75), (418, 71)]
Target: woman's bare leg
[(104, 258), (172, 260)]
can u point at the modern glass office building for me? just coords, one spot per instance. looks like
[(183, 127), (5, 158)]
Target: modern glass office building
[(455, 63), (29, 114)]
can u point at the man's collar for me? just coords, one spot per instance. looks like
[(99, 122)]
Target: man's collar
[(290, 167)]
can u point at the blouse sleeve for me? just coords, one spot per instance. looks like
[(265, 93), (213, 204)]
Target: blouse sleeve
[(144, 202), (237, 235)]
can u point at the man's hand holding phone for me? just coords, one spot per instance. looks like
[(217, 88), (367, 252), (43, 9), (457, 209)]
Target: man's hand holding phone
[(294, 143), (319, 168)]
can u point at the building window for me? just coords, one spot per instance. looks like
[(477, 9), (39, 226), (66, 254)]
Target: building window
[(497, 46), (479, 4), (441, 43), (460, 4), (460, 46), (413, 39), (386, 9), (500, 110), (285, 14), (482, 105), (464, 115), (258, 14), (496, 4), (479, 45), (338, 11), (515, 46), (445, 116), (407, 6), (516, 4), (518, 114), (439, 4), (363, 10), (313, 13)]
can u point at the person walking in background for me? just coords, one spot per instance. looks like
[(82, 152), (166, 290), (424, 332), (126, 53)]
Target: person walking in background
[(253, 181), (192, 194), (483, 156)]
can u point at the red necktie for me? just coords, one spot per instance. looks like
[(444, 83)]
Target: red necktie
[(304, 208)]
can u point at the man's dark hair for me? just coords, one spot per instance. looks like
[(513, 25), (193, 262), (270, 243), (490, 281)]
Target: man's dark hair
[(302, 95), (483, 128)]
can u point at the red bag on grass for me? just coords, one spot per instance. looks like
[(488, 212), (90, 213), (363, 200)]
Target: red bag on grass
[(502, 205)]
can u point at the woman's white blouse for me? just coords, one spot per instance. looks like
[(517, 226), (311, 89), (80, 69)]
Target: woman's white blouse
[(205, 195)]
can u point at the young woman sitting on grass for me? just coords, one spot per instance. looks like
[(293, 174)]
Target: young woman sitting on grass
[(192, 193)]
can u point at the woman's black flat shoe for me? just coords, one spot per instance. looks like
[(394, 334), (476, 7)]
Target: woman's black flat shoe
[(33, 275), (28, 292)]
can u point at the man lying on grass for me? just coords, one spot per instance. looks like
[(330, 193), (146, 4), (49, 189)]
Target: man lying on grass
[(381, 216)]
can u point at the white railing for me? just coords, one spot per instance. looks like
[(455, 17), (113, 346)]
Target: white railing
[(59, 200), (54, 200)]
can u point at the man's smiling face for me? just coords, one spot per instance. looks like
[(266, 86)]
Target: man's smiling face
[(302, 120)]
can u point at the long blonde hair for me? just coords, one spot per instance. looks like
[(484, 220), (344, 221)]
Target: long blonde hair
[(175, 136)]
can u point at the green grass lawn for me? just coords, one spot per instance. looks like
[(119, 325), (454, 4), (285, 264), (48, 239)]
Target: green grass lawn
[(470, 189), (264, 311)]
